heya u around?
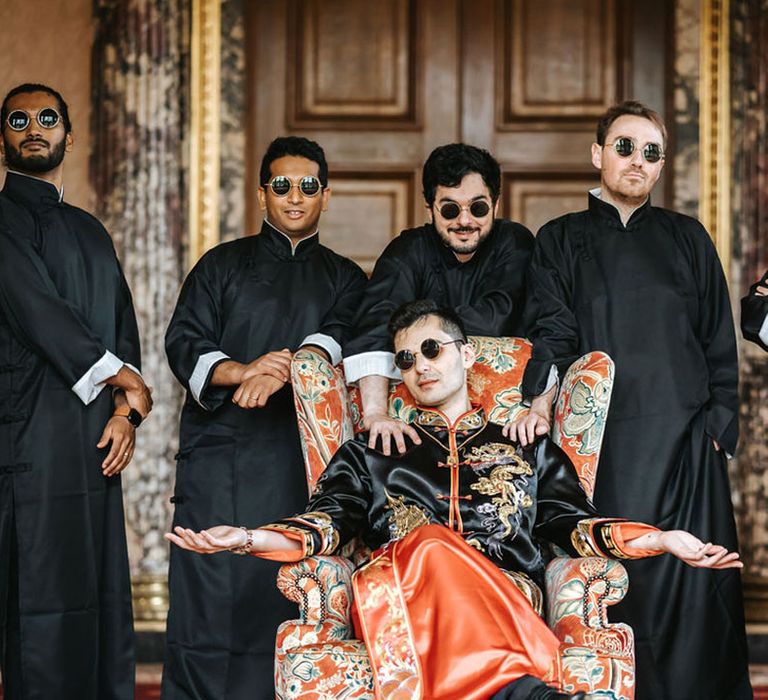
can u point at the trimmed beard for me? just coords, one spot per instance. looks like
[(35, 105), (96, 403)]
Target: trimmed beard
[(35, 164)]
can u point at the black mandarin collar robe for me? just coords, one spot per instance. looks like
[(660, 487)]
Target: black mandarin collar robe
[(64, 303), (244, 298), (503, 499), (487, 291), (652, 294)]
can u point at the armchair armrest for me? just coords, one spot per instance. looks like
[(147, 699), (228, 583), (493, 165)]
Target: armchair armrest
[(322, 587), (579, 592)]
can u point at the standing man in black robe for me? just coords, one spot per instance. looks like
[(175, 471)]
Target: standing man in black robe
[(244, 308), (67, 330), (464, 258), (645, 285), (754, 313)]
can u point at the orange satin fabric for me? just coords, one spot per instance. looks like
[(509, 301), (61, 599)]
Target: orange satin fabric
[(626, 532), (432, 607)]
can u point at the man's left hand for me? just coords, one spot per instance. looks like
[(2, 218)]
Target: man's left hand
[(527, 429), (256, 390), (690, 549), (122, 435)]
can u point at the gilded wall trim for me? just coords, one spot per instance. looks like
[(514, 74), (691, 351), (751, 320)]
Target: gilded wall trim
[(714, 127), (205, 130)]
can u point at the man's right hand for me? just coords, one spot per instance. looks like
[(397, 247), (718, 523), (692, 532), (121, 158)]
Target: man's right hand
[(256, 390), (275, 364), (382, 426), (137, 393)]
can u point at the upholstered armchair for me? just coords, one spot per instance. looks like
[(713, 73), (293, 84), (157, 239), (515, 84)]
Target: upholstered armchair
[(317, 657)]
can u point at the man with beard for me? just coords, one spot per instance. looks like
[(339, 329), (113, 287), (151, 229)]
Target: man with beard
[(244, 308), (464, 258), (67, 330), (449, 604), (645, 285), (754, 313)]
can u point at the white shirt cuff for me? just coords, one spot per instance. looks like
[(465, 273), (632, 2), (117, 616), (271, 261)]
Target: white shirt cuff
[(552, 380), (764, 330), (326, 343), (89, 386), (365, 364), (202, 369)]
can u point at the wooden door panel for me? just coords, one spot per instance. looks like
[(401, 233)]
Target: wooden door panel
[(352, 64), (556, 60)]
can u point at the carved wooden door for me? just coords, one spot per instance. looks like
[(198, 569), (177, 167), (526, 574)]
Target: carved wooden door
[(380, 84)]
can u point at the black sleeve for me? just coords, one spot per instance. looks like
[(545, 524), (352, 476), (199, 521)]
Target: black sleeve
[(718, 340), (497, 308), (43, 320), (550, 320), (338, 510), (395, 281), (194, 333), (338, 322), (754, 310), (128, 343)]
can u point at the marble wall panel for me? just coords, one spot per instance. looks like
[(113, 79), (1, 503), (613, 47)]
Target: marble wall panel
[(138, 169)]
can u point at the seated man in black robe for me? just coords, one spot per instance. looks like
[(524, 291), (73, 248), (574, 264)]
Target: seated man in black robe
[(463, 258), (449, 515), (754, 313), (244, 308)]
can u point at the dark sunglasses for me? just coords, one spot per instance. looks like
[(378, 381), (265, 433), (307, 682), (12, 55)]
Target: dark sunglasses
[(478, 209), (309, 186), (625, 147), (18, 120), (430, 348)]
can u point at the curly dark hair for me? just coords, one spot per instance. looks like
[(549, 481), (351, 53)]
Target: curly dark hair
[(447, 166)]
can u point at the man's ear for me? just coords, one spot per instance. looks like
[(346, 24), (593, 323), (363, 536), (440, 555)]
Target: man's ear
[(326, 195), (496, 208), (468, 355), (597, 156), (430, 220), (261, 195), (69, 141)]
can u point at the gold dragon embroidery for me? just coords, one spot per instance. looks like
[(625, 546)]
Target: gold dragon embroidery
[(507, 497), (404, 518)]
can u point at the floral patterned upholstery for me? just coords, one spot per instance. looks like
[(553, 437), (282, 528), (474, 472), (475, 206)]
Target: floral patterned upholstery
[(316, 657)]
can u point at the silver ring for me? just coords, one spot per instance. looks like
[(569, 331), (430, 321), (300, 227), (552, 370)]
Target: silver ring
[(125, 454)]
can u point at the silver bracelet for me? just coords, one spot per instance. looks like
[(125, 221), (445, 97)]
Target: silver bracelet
[(246, 547)]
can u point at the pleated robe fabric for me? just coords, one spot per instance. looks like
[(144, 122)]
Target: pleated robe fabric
[(243, 299), (653, 296), (65, 596)]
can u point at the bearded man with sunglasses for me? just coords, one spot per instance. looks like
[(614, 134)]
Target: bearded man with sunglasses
[(67, 333), (464, 258), (461, 579), (646, 286), (243, 310)]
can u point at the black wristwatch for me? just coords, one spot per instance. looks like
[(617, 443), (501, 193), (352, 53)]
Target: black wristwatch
[(132, 415)]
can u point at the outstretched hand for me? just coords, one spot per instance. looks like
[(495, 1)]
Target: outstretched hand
[(694, 552), (210, 541)]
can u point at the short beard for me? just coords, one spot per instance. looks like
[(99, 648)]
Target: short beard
[(36, 164), (463, 248)]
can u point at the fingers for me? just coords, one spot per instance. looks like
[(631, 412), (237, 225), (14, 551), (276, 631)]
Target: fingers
[(761, 291), (411, 433), (120, 453), (105, 436)]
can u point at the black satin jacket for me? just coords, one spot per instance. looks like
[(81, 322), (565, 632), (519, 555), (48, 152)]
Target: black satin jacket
[(503, 499)]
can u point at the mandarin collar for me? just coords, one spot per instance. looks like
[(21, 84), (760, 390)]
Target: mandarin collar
[(448, 255), (283, 246), (427, 417), (607, 213), (30, 190)]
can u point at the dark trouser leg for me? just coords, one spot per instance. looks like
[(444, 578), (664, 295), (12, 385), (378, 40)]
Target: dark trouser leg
[(10, 638)]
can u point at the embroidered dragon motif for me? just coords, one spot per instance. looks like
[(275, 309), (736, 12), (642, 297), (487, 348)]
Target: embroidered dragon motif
[(404, 518), (506, 485)]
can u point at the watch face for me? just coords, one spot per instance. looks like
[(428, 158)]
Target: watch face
[(134, 418)]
